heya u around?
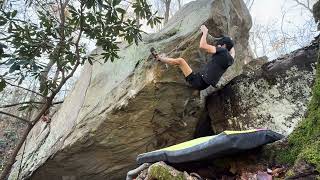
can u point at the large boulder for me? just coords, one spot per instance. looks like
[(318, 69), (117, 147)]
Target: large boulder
[(275, 96), (133, 105)]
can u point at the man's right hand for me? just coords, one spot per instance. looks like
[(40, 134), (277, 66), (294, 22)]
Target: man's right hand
[(204, 29), (203, 41)]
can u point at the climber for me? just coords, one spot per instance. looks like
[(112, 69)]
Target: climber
[(221, 59)]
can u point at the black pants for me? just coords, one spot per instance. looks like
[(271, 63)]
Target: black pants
[(196, 81)]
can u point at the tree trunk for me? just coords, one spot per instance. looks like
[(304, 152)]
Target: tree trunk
[(44, 75), (137, 24), (179, 3), (12, 159), (166, 14)]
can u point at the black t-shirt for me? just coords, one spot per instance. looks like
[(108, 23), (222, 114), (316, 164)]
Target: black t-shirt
[(214, 69)]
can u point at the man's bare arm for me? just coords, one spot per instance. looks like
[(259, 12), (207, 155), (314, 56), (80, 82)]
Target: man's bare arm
[(203, 41), (232, 52)]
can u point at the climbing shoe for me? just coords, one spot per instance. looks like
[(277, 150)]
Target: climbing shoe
[(154, 53)]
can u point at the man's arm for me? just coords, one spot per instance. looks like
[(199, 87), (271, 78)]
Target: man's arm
[(232, 52), (203, 41)]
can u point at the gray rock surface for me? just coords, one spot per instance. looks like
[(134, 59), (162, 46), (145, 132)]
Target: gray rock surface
[(133, 105), (274, 96)]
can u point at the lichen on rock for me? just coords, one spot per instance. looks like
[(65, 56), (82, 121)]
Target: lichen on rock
[(274, 96), (161, 171), (304, 142)]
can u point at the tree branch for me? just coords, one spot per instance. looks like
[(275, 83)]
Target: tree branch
[(28, 102), (305, 6), (25, 89), (12, 159), (44, 74), (56, 76), (64, 80), (249, 7), (14, 116)]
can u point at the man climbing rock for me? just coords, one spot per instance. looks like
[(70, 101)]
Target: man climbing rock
[(221, 59)]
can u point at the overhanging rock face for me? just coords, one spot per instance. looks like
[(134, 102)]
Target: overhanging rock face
[(274, 96), (133, 105)]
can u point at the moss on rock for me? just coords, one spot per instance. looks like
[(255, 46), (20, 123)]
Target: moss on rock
[(161, 171), (304, 142)]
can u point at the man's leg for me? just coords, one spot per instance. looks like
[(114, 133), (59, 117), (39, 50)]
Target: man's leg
[(183, 65)]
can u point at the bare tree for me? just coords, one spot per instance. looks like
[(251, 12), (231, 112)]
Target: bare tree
[(180, 3), (282, 35), (305, 5), (167, 10), (249, 3)]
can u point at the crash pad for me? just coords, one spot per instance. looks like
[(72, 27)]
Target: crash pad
[(225, 143)]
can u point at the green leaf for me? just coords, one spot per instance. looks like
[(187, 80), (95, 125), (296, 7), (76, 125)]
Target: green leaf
[(11, 61), (32, 42), (44, 89), (120, 10), (14, 67), (3, 21), (90, 3), (90, 61), (116, 2), (14, 13), (106, 56), (2, 84), (10, 28), (21, 80)]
